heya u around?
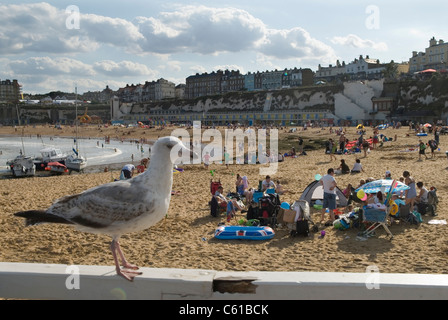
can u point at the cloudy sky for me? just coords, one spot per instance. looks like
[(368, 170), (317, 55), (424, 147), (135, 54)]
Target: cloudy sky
[(57, 45)]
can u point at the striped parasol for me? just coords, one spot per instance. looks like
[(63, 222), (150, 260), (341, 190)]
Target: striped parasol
[(383, 185)]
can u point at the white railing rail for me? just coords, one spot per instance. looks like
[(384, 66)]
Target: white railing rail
[(44, 281)]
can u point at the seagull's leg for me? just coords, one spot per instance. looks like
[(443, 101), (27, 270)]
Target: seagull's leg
[(127, 274), (124, 262)]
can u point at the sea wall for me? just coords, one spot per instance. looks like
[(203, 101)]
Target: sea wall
[(33, 114)]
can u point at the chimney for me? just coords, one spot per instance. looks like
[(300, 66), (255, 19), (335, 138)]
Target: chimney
[(432, 42)]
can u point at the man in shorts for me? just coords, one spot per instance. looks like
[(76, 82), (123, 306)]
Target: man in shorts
[(329, 185)]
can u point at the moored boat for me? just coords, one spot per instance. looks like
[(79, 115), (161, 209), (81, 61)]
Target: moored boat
[(56, 167), (22, 166), (76, 162), (48, 155)]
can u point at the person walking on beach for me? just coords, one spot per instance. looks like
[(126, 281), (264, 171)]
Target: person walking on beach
[(437, 134), (329, 185), (432, 144), (421, 150), (342, 142), (329, 149), (365, 147), (300, 145)]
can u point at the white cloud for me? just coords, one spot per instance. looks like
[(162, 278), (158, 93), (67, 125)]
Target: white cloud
[(122, 69), (40, 27), (50, 67), (294, 43), (356, 42), (44, 49), (201, 30)]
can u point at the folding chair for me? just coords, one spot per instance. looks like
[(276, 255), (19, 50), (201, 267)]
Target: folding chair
[(378, 218), (214, 185)]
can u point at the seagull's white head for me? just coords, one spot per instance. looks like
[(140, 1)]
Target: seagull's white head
[(170, 147)]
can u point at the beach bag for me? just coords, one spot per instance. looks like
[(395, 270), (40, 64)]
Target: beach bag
[(414, 218), (252, 212), (289, 215), (214, 207), (302, 228)]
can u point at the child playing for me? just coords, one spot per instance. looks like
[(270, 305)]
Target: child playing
[(421, 148), (206, 160)]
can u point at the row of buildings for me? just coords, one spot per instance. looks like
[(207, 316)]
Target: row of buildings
[(221, 82), (10, 91), (435, 57)]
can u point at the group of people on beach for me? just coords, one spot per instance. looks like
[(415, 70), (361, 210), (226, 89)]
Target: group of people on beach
[(243, 189), (416, 199)]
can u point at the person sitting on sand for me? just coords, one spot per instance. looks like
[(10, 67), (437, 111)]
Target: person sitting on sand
[(357, 167), (361, 183), (268, 184), (238, 185), (279, 188), (245, 191), (222, 200), (422, 198), (343, 168)]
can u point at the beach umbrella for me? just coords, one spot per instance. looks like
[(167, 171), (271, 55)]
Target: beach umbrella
[(360, 126), (429, 71), (427, 125), (383, 185)]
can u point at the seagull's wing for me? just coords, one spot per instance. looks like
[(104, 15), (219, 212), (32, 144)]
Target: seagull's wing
[(102, 206)]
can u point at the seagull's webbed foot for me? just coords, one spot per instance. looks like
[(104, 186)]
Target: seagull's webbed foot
[(128, 274)]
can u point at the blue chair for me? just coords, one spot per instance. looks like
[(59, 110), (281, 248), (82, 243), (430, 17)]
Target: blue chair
[(257, 196)]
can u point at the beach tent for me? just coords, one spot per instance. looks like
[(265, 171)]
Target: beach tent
[(315, 191)]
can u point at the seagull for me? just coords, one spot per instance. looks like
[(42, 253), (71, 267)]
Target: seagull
[(119, 207)]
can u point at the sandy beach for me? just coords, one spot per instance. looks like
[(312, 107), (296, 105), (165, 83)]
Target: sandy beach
[(185, 238)]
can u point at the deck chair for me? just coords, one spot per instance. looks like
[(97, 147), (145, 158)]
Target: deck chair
[(377, 218), (214, 185)]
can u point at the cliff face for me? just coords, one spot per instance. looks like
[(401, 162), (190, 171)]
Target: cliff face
[(430, 95), (321, 97)]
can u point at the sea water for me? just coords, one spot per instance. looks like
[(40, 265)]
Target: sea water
[(96, 151)]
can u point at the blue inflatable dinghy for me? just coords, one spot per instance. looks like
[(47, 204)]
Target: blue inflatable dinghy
[(244, 233)]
